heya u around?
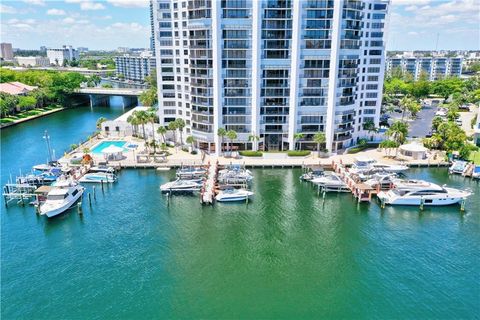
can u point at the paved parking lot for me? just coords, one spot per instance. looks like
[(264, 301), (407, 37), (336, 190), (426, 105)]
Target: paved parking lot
[(421, 126)]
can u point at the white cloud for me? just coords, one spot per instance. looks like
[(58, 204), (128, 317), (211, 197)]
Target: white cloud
[(73, 1), (35, 2), (87, 5), (7, 9), (129, 3), (22, 26), (410, 2), (55, 12), (13, 21), (68, 20), (413, 33)]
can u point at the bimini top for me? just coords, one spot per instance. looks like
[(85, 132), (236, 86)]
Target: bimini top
[(413, 147)]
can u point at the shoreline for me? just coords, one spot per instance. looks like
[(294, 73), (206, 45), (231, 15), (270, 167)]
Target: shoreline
[(18, 121)]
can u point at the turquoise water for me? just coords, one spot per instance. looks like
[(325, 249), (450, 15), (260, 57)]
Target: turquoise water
[(287, 254), (104, 144)]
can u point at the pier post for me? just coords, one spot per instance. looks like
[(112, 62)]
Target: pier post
[(422, 201), (94, 194), (462, 205), (101, 182), (89, 199)]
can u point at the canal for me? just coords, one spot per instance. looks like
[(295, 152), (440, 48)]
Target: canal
[(287, 254)]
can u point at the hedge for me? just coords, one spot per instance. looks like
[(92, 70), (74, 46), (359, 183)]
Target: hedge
[(251, 153), (363, 147), (301, 153)]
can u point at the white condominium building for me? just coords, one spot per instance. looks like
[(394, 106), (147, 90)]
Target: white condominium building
[(134, 68), (59, 56), (271, 69), (434, 68)]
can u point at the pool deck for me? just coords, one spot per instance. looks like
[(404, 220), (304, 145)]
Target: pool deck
[(178, 158)]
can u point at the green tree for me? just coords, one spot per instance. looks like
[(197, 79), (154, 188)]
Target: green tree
[(107, 86), (297, 137), (191, 140), (152, 118), (232, 136), (133, 120), (162, 131), (319, 138), (149, 97), (26, 102), (180, 124), (253, 138), (100, 121), (221, 132), (172, 126), (436, 122), (398, 132)]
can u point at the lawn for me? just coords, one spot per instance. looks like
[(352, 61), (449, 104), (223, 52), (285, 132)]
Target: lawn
[(475, 157)]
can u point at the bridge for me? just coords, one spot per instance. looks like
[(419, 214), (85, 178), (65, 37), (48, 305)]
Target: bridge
[(101, 96)]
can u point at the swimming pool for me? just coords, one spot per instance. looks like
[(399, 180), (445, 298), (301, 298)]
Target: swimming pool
[(104, 144)]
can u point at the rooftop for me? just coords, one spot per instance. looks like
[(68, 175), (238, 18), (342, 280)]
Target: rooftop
[(16, 88)]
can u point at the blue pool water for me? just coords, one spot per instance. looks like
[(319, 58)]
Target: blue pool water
[(104, 144)]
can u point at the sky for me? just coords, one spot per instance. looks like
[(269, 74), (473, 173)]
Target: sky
[(108, 24)]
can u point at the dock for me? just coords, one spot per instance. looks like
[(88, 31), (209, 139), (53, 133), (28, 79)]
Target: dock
[(207, 196)]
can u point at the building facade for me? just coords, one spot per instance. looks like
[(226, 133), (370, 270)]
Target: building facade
[(271, 69), (33, 61), (6, 51), (60, 55), (135, 68), (433, 68)]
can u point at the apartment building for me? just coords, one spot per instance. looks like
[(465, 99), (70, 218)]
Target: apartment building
[(6, 51), (433, 67), (271, 69), (58, 56), (135, 68)]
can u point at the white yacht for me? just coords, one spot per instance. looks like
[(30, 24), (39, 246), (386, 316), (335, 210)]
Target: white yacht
[(230, 195), (380, 179), (60, 199), (98, 177), (364, 164), (191, 172), (458, 167), (309, 176), (331, 182), (182, 185), (476, 172), (429, 194), (102, 168), (235, 175)]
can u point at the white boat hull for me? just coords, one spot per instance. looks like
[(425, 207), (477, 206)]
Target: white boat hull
[(52, 212), (417, 201), (234, 197)]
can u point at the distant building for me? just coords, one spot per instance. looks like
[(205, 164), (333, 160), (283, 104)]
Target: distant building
[(135, 68), (16, 88), (152, 29), (434, 67), (6, 51), (43, 49), (59, 56), (82, 49), (33, 61), (123, 49)]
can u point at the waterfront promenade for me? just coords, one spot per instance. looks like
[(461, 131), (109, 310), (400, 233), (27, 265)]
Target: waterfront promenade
[(137, 158)]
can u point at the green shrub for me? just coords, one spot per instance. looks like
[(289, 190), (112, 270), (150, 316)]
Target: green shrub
[(194, 152), (300, 153), (362, 147), (251, 153)]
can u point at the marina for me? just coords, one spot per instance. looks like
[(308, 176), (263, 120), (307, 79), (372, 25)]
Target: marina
[(259, 253)]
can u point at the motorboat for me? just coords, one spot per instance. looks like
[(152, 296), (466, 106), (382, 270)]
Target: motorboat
[(60, 199), (230, 195), (234, 175), (458, 167), (180, 185), (191, 172), (46, 177), (98, 177), (46, 166), (364, 164), (102, 168), (331, 182), (433, 195), (313, 174), (411, 184), (476, 172), (381, 180)]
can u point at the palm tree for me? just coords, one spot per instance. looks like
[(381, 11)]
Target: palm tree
[(253, 138), (162, 131), (221, 132), (296, 137), (398, 132), (369, 126), (143, 119), (191, 140), (232, 135), (172, 126), (100, 121), (133, 120), (319, 138), (180, 125), (152, 117)]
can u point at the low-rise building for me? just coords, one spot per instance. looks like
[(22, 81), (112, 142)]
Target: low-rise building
[(60, 55), (33, 61), (433, 67), (16, 88), (476, 135), (135, 68)]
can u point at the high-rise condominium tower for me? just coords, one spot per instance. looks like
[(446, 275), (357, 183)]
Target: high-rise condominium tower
[(271, 69)]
